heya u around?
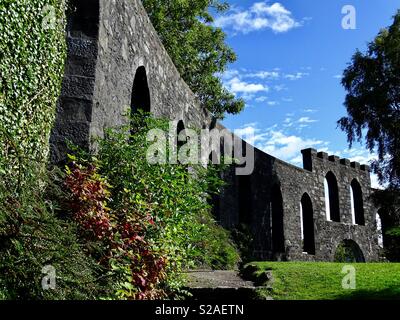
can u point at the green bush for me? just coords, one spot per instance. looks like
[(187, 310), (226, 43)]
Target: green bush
[(32, 54), (32, 236), (243, 238), (174, 197)]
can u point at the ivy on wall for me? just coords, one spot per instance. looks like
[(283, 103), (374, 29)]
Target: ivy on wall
[(32, 55)]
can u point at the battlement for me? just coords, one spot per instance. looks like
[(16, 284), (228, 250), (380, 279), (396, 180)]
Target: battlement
[(310, 156)]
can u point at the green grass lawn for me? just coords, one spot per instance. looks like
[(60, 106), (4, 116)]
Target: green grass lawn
[(323, 281)]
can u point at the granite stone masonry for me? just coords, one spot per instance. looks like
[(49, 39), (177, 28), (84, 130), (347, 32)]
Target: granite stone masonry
[(117, 64)]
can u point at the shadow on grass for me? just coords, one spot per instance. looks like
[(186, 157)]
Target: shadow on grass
[(390, 293)]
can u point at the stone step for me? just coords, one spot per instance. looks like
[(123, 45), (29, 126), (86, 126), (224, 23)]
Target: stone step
[(215, 285)]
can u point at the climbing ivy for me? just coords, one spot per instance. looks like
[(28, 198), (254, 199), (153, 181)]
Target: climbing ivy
[(32, 54)]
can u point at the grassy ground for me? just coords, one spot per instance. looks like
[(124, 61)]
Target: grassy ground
[(323, 281)]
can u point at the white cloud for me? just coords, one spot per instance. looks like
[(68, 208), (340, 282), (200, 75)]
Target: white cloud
[(306, 120), (338, 76), (261, 99), (272, 103), (246, 130), (259, 16), (287, 147), (236, 85), (229, 74), (264, 75), (288, 122), (296, 76), (280, 87), (310, 110), (275, 142)]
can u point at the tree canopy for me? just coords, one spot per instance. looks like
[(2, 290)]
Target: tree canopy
[(197, 48), (372, 82)]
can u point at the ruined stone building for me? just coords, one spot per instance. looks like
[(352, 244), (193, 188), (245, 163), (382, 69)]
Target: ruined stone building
[(116, 61)]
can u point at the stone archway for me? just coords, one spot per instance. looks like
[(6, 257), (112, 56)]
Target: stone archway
[(332, 197), (307, 218), (349, 251), (140, 99), (357, 205)]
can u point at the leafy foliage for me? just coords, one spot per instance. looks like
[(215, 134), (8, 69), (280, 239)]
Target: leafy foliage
[(32, 53), (120, 234), (33, 236), (244, 240), (344, 254), (197, 49), (152, 220), (372, 81)]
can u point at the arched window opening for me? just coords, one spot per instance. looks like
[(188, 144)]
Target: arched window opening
[(331, 197), (83, 18), (278, 238), (140, 92), (379, 229), (348, 251), (357, 203), (307, 219), (244, 198), (180, 131), (384, 222)]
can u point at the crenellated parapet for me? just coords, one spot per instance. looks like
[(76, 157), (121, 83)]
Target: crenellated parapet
[(311, 158)]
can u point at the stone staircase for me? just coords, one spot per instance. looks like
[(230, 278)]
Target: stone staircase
[(215, 285)]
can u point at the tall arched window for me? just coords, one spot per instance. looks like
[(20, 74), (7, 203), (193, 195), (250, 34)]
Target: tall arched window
[(331, 197), (379, 228), (140, 92), (180, 128), (307, 219), (357, 203), (382, 225), (278, 238)]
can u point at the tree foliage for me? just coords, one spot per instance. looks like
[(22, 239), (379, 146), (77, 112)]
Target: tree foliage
[(197, 48), (372, 81)]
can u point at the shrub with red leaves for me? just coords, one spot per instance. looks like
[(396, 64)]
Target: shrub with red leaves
[(128, 253), (89, 195)]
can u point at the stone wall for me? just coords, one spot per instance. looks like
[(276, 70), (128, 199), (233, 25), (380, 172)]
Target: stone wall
[(101, 69), (108, 42), (293, 183)]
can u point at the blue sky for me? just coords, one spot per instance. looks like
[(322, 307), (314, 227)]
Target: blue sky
[(290, 57)]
